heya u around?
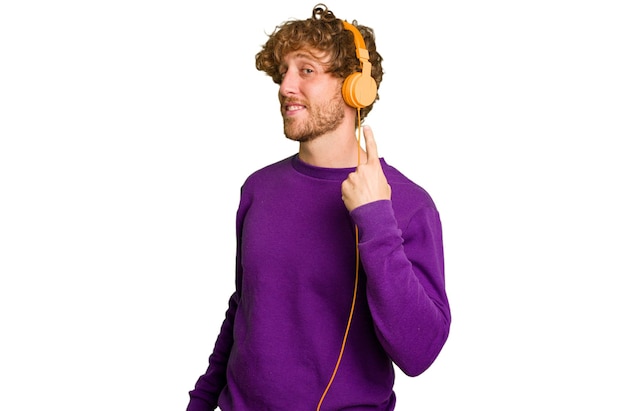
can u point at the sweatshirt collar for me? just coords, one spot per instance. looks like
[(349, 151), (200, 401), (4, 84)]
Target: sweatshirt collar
[(324, 173)]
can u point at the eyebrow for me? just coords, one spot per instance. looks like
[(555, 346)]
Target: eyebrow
[(308, 56), (305, 54)]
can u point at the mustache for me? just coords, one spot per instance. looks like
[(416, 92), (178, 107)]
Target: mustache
[(286, 101)]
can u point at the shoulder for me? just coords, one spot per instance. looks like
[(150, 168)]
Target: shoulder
[(263, 183), (270, 172), (404, 191)]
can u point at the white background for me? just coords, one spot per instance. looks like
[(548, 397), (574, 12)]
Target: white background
[(128, 126)]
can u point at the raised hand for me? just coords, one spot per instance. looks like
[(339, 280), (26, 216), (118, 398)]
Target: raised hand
[(368, 182)]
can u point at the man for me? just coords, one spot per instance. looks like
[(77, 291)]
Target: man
[(304, 328)]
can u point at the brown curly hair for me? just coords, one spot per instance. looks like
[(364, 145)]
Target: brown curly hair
[(326, 33)]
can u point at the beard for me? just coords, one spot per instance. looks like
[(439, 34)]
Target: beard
[(322, 118)]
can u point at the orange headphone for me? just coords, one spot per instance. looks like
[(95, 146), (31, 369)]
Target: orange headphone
[(359, 88)]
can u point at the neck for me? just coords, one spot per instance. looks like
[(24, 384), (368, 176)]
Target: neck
[(331, 151), (337, 149)]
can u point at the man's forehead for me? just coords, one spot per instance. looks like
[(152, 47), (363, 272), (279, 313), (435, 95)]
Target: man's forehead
[(315, 55)]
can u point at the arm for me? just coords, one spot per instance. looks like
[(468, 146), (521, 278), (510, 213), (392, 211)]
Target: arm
[(208, 387), (404, 268), (405, 283), (205, 395)]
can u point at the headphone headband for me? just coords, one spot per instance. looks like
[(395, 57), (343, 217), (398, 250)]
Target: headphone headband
[(361, 48)]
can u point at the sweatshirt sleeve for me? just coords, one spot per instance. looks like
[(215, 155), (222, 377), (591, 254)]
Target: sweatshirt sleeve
[(209, 386), (405, 283), (205, 395)]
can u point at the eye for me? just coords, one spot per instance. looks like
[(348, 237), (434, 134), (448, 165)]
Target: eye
[(307, 72)]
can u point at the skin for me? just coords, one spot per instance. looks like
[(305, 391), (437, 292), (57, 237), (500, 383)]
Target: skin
[(315, 114)]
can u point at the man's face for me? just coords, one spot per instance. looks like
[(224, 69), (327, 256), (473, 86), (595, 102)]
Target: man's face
[(310, 98)]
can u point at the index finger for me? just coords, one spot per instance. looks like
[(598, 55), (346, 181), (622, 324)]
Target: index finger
[(370, 145)]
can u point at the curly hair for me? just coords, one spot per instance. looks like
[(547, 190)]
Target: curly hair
[(326, 33)]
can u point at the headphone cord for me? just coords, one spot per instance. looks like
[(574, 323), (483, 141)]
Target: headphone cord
[(356, 283)]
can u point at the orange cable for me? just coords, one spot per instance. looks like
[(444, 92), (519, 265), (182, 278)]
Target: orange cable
[(356, 283)]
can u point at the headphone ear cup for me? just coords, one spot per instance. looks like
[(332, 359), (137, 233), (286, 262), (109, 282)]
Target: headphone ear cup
[(359, 91)]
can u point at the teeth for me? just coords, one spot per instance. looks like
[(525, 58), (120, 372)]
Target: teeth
[(293, 108)]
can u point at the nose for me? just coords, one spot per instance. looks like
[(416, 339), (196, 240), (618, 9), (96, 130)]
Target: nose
[(289, 83)]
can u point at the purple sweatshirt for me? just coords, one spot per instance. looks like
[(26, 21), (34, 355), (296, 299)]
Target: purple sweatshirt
[(295, 275)]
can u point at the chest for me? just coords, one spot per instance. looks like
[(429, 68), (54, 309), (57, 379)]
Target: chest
[(297, 236)]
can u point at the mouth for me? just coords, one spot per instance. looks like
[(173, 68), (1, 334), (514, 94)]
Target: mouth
[(293, 108)]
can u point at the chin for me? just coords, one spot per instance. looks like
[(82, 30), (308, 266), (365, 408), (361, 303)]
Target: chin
[(292, 132)]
